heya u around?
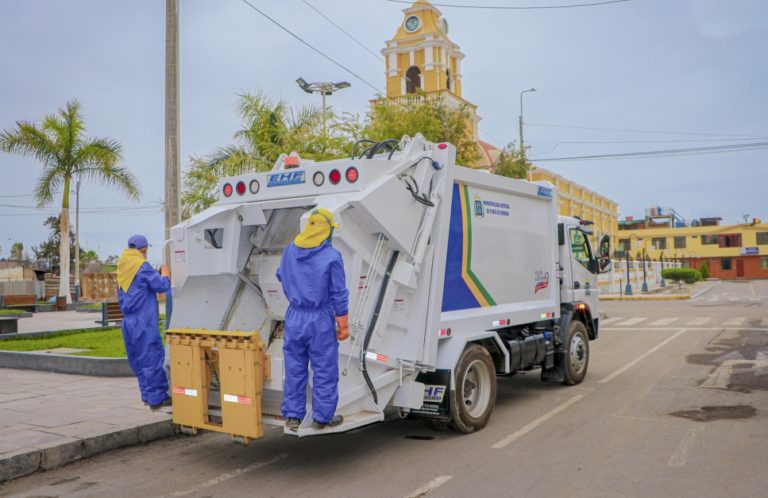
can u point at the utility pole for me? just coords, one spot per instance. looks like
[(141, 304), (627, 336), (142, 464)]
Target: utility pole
[(520, 125), (77, 240), (172, 165)]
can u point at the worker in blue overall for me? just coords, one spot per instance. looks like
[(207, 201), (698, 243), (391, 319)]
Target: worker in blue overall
[(312, 274), (138, 286)]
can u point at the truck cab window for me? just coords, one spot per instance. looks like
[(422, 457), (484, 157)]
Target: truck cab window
[(580, 248)]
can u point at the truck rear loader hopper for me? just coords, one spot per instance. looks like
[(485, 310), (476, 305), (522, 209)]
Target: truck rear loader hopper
[(455, 276)]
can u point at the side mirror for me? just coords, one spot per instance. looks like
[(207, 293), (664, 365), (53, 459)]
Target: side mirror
[(605, 247)]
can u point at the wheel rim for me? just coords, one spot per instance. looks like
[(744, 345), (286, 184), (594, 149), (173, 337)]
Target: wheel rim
[(477, 390), (578, 353)]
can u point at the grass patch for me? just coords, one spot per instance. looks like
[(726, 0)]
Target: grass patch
[(11, 312), (106, 343), (92, 306)]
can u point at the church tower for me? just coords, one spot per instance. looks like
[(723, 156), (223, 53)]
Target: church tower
[(421, 58)]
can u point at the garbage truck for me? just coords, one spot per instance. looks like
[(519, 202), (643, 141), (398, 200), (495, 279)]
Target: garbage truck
[(456, 277)]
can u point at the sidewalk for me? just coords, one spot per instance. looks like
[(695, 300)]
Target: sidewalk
[(59, 320), (48, 420), (669, 293)]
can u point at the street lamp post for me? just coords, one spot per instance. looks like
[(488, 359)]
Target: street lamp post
[(661, 261), (77, 240), (645, 282), (628, 289), (324, 89), (520, 125)]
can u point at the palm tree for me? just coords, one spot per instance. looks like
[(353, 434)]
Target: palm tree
[(268, 130), (60, 144)]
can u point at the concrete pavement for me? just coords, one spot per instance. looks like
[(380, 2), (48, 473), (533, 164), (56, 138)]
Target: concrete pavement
[(48, 420), (59, 320), (663, 411)]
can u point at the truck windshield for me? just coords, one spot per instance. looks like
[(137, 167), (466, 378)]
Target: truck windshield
[(580, 248)]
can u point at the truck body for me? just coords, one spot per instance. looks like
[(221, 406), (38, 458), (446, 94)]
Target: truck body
[(456, 276)]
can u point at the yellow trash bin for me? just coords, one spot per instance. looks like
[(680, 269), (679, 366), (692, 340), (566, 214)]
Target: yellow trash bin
[(237, 360)]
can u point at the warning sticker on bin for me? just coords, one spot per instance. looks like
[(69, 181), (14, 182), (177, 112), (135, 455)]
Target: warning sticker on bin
[(185, 392), (376, 357), (233, 398)]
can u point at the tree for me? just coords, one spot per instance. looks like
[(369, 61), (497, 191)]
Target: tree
[(268, 130), (17, 251), (49, 249), (429, 116), (60, 144), (510, 164)]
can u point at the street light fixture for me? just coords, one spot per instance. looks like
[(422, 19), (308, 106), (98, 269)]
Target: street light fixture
[(520, 124), (324, 89), (645, 282), (628, 289)]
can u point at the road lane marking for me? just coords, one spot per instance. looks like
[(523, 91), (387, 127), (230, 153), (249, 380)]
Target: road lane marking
[(429, 487), (665, 321), (640, 358), (660, 329), (226, 476), (610, 320), (734, 322), (700, 320), (631, 321), (680, 456), (535, 423), (703, 291)]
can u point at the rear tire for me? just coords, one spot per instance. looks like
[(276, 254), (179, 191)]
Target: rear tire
[(475, 396), (576, 357)]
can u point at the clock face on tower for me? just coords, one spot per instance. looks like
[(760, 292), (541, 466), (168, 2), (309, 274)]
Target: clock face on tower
[(412, 24)]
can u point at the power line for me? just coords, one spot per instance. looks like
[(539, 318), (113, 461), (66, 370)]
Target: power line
[(312, 47), (507, 7), (330, 59), (595, 142), (343, 31), (663, 153), (658, 132)]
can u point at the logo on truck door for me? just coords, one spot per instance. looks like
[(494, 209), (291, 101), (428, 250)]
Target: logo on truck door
[(283, 179)]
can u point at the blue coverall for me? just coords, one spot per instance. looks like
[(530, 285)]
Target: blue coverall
[(142, 335), (314, 283)]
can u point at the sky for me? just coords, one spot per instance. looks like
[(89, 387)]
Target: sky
[(634, 76)]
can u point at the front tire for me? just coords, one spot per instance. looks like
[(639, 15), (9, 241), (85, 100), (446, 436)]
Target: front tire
[(576, 357), (475, 395)]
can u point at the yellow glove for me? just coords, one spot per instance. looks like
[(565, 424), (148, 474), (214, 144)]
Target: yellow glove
[(343, 323), (164, 271)]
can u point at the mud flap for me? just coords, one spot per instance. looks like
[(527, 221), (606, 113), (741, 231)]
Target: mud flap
[(437, 395)]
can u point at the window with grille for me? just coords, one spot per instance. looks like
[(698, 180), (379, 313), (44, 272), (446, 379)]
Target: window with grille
[(709, 239), (680, 242), (725, 264), (762, 238), (659, 242), (731, 240)]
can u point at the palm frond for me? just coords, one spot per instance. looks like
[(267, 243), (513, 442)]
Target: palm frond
[(50, 181), (30, 141), (113, 176)]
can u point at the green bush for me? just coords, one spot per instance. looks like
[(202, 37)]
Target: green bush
[(704, 269), (687, 275)]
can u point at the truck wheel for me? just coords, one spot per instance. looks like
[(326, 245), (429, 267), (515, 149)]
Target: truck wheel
[(576, 356), (475, 395)]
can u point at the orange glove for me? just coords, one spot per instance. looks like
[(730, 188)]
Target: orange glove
[(164, 271), (343, 323)]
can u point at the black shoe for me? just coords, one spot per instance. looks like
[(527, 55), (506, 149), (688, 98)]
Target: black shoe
[(336, 420), (162, 404), (292, 423)]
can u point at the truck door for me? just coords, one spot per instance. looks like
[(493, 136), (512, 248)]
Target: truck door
[(584, 268)]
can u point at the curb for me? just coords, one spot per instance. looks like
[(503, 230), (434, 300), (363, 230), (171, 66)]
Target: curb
[(61, 363), (682, 297), (23, 462)]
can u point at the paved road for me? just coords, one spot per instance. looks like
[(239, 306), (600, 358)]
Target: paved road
[(674, 405)]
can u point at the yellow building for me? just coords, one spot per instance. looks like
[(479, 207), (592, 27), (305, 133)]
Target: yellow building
[(730, 251), (577, 200), (421, 59)]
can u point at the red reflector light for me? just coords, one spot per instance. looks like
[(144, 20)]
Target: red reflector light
[(581, 306), (227, 190), (290, 161), (334, 176), (240, 188), (351, 174), (442, 146)]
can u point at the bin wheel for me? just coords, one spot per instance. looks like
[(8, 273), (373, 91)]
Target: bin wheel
[(188, 431), (576, 357), (475, 396)]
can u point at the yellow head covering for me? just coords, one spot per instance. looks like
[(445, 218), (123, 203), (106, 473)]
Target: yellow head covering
[(318, 229), (128, 266)]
